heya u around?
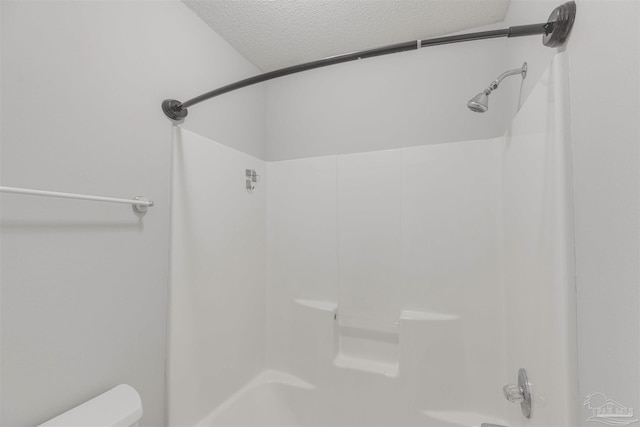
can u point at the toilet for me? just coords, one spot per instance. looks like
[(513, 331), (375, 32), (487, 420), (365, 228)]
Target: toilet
[(119, 407)]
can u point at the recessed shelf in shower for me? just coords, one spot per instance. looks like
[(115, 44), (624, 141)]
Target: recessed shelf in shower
[(367, 344)]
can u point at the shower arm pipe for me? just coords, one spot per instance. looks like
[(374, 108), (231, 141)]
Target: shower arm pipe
[(494, 84), (555, 32)]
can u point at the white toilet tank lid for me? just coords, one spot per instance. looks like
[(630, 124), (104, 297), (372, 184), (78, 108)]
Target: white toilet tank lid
[(119, 407)]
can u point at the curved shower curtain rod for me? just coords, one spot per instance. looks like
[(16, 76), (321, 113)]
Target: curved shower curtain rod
[(555, 32)]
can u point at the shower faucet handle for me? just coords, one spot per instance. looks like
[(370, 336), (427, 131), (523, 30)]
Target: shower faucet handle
[(513, 393), (520, 393)]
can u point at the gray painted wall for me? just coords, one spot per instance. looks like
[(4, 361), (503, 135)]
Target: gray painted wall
[(84, 285), (401, 100)]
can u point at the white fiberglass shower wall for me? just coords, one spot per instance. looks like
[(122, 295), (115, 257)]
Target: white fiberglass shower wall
[(396, 287)]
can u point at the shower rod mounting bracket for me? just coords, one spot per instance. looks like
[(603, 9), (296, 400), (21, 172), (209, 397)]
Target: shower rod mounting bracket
[(555, 33), (561, 21), (141, 208), (173, 109)]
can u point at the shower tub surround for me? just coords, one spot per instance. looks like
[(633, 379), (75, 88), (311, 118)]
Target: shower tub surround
[(402, 287)]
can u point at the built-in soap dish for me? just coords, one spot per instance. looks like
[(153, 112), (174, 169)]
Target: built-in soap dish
[(365, 344)]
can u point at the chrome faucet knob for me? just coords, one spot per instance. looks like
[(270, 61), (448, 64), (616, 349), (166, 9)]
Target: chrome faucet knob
[(520, 393), (513, 393)]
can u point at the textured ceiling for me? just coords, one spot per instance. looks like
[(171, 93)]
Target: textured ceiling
[(277, 33)]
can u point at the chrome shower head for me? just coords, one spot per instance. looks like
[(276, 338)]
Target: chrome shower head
[(480, 102)]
